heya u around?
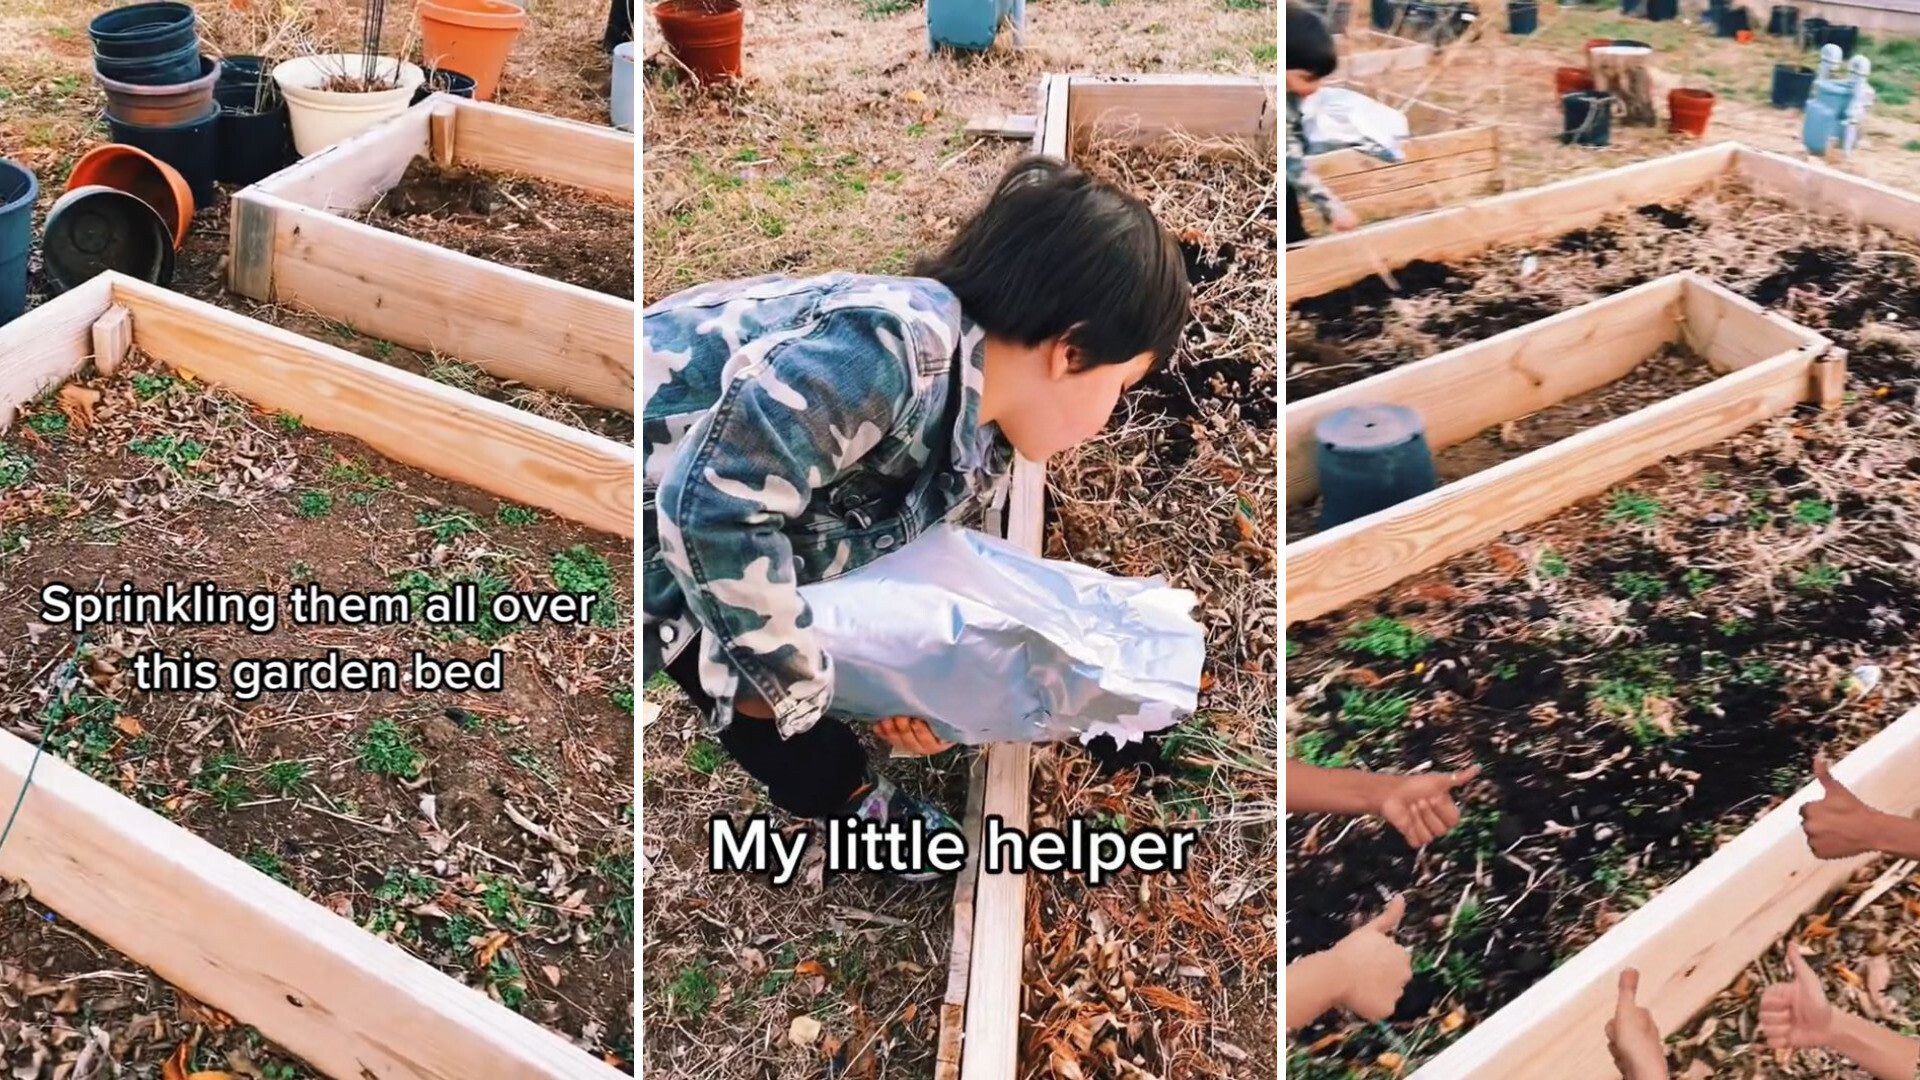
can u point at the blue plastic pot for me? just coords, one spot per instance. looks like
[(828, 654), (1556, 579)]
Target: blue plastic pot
[(191, 148), (18, 190), (966, 25), (143, 30), (1370, 457), (161, 69), (1792, 84), (1523, 17)]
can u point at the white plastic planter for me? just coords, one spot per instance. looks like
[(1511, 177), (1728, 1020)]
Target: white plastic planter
[(623, 86), (322, 118)]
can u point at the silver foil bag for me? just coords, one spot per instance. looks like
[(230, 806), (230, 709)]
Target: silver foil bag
[(991, 644)]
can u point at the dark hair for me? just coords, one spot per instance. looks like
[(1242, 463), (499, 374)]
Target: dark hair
[(1309, 45), (1056, 252)]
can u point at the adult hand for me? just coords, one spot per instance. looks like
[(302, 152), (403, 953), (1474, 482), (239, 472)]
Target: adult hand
[(1796, 1015), (1421, 806), (1376, 968), (1632, 1037), (1840, 825), (1344, 220), (911, 734)]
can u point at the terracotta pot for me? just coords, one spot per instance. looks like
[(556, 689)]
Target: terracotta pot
[(1571, 80), (131, 103), (1688, 111), (136, 172), (705, 35), (470, 36), (1598, 43)]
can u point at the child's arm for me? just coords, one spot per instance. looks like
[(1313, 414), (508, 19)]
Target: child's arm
[(1311, 187), (1841, 825), (1419, 805), (1365, 973), (1797, 1016), (798, 410)]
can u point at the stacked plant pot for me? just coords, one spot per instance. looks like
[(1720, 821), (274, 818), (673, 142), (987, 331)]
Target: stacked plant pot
[(255, 138), (160, 90)]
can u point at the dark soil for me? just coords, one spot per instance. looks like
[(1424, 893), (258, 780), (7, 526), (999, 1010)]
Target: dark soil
[(549, 229)]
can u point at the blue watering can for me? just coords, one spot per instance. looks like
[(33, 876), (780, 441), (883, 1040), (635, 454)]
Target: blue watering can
[(1837, 104), (971, 25)]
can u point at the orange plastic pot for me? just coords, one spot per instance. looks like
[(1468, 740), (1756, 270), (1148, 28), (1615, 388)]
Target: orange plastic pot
[(1598, 43), (472, 37), (1571, 80), (140, 174), (1688, 111), (705, 35), (1744, 37)]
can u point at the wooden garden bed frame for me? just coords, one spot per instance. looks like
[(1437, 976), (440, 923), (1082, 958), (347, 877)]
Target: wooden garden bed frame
[(1766, 366), (290, 244), (352, 1005), (1439, 169), (1393, 54), (980, 1014)]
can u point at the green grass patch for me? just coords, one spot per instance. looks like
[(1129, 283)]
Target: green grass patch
[(1375, 710), (1385, 639), (704, 757), (175, 452), (285, 777), (1632, 506), (387, 749), (315, 502), (580, 569)]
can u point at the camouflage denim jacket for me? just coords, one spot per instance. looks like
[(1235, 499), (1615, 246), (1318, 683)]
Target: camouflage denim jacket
[(794, 430), (1300, 178)]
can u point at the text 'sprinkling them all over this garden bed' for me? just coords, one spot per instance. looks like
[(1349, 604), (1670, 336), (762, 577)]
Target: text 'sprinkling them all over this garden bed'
[(1173, 974), (487, 833), (1643, 675)]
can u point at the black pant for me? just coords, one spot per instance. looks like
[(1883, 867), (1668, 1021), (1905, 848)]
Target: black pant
[(814, 774), (1296, 225), (619, 24)]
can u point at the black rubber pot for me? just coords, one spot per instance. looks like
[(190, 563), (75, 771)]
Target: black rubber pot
[(444, 81), (1847, 37), (1522, 17), (1783, 21), (1791, 86), (1811, 30), (1663, 10), (250, 146), (1587, 118), (144, 30), (191, 148)]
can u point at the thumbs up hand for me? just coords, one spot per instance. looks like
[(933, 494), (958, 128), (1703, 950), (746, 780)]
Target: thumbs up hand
[(1377, 968), (1632, 1037), (1422, 807), (1840, 825), (1796, 1015)]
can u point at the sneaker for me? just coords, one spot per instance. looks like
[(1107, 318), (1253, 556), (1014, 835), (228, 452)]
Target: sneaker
[(883, 802)]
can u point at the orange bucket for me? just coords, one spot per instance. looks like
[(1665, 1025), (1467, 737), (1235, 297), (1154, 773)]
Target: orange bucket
[(140, 174), (472, 37)]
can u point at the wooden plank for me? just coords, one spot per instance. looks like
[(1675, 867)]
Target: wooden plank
[(1462, 392), (351, 175), (1733, 332), (450, 433), (1146, 108), (1692, 940), (1425, 197), (1390, 180), (514, 324), (112, 337), (1336, 164), (46, 346), (1002, 125), (502, 139), (1377, 62), (953, 1007), (1829, 190), (250, 245), (1343, 564), (1323, 265), (440, 132), (351, 1005)]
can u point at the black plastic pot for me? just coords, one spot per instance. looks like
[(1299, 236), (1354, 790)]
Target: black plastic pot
[(1587, 118), (444, 81), (1385, 13), (192, 148), (1663, 10), (250, 145), (1847, 37), (18, 189), (1811, 30), (1783, 21), (1731, 22), (160, 69), (1791, 86), (1630, 7), (240, 69), (1523, 17), (92, 229), (142, 30), (1370, 457)]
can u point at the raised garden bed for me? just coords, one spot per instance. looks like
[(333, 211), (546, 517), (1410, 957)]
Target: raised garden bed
[(145, 474), (1440, 168), (1369, 54), (1196, 963), (298, 239)]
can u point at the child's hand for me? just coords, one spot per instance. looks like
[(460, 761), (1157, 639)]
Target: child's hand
[(1796, 1015), (1344, 220), (911, 735), (1376, 967), (1840, 826), (1422, 807), (1632, 1037)]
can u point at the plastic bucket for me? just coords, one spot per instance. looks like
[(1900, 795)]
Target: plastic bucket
[(705, 35), (622, 106), (18, 190), (175, 104), (1384, 13), (1571, 80), (191, 148), (1688, 111), (1783, 20), (473, 36), (1811, 29), (138, 173), (1523, 18), (444, 81), (1847, 37), (1370, 457), (322, 118), (1587, 118), (1730, 22), (250, 146), (181, 65), (92, 229), (142, 30), (1792, 83), (1663, 10)]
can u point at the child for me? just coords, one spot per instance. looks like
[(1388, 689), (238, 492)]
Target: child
[(1310, 58), (796, 429), (1364, 973), (1419, 805), (1797, 1016)]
